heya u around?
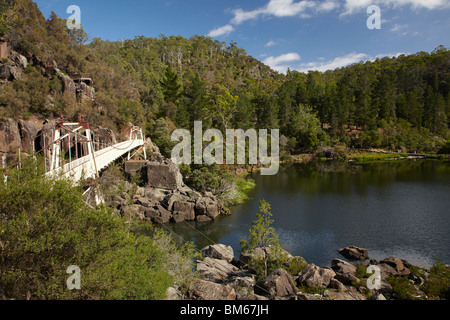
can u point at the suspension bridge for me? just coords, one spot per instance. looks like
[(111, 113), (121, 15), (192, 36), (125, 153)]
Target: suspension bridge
[(75, 153)]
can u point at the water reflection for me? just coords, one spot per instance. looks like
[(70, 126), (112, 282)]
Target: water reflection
[(390, 208)]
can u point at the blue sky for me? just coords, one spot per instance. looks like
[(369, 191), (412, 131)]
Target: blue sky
[(300, 34)]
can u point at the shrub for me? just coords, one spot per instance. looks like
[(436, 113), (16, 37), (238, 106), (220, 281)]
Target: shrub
[(264, 243), (438, 282), (45, 227)]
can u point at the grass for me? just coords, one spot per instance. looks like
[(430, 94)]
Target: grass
[(369, 157)]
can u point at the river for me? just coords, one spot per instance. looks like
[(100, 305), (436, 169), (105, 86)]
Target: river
[(395, 208)]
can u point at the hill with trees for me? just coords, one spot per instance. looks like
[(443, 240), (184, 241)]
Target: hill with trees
[(169, 82)]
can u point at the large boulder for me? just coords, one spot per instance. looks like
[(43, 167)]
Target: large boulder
[(208, 206), (314, 276), (394, 266), (207, 290), (342, 266), (183, 211), (164, 175), (278, 283), (354, 253), (69, 88), (219, 251), (215, 270)]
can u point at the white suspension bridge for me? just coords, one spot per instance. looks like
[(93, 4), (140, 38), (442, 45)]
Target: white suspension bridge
[(75, 154)]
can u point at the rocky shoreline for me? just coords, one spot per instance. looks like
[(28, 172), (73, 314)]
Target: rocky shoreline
[(222, 276)]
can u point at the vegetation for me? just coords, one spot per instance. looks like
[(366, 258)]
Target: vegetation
[(393, 103), (263, 244), (45, 227)]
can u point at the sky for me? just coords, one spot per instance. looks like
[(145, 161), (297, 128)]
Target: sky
[(300, 35)]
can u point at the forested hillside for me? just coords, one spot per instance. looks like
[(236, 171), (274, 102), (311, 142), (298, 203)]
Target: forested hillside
[(169, 82)]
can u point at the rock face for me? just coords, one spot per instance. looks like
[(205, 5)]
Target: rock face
[(219, 251), (164, 175), (354, 253), (394, 266), (165, 197), (336, 283), (206, 290), (277, 283), (9, 136), (215, 270), (314, 276)]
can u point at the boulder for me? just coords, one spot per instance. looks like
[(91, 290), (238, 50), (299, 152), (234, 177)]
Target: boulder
[(173, 197), (241, 281), (215, 270), (346, 278), (350, 293), (208, 206), (277, 283), (165, 175), (341, 266), (394, 266), (314, 276), (183, 211), (158, 214), (219, 251), (69, 88), (206, 290), (354, 253), (336, 284)]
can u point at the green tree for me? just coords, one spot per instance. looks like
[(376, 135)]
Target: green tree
[(264, 243), (171, 86)]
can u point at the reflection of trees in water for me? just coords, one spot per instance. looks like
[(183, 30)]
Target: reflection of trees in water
[(201, 233), (344, 178)]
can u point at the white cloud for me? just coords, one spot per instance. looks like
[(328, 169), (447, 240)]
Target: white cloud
[(281, 63), (352, 6), (270, 44), (221, 31), (338, 62), (276, 8)]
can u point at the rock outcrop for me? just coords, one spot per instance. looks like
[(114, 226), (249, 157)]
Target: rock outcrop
[(336, 283), (354, 253)]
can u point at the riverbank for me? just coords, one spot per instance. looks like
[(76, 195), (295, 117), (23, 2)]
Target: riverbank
[(223, 276)]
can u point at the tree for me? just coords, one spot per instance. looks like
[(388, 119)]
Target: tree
[(264, 243), (170, 85), (195, 102), (306, 127), (7, 15)]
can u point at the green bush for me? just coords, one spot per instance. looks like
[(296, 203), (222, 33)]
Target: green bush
[(45, 227), (438, 282), (264, 244)]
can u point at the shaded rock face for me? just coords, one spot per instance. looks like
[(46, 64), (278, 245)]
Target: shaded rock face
[(9, 136)]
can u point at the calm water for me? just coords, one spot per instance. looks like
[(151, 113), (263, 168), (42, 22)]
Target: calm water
[(399, 208)]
